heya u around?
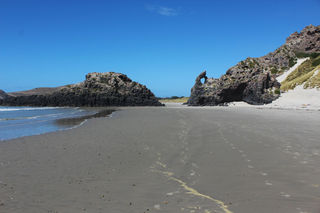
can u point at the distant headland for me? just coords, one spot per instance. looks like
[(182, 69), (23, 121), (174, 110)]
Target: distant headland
[(98, 89)]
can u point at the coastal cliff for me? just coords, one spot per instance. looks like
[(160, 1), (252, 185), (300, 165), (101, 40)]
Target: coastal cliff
[(3, 95), (98, 89), (254, 79)]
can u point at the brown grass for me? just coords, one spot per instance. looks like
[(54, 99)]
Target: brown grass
[(314, 82), (178, 100), (287, 85), (303, 75)]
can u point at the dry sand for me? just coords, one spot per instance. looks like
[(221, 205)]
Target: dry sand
[(296, 99), (168, 159)]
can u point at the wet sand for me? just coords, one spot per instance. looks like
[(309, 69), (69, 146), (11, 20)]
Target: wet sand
[(169, 159), (75, 121)]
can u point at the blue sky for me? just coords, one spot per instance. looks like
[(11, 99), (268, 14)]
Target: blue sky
[(163, 44)]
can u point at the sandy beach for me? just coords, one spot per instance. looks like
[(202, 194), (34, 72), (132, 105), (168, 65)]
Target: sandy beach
[(168, 159)]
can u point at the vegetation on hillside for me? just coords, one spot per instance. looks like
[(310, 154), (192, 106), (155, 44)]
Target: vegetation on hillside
[(307, 73), (314, 82), (174, 99), (307, 55)]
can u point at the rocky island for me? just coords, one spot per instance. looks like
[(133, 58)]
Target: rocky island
[(254, 79), (98, 89)]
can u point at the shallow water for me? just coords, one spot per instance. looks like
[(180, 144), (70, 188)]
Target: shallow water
[(23, 121)]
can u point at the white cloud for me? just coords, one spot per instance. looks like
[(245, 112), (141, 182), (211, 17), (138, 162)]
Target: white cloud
[(164, 11)]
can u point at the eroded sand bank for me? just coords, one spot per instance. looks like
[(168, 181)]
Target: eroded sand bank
[(169, 159)]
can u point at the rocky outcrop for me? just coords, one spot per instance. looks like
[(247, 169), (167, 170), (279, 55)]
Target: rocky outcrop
[(254, 79), (3, 96), (308, 40), (253, 87), (98, 89)]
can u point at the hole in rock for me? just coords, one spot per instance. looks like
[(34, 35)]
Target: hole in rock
[(235, 94)]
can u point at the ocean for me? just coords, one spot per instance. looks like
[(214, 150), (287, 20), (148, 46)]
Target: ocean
[(17, 122)]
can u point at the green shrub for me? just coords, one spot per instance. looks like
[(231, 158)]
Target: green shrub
[(251, 64), (292, 61), (302, 55), (274, 70), (277, 91), (314, 55), (305, 55), (316, 62)]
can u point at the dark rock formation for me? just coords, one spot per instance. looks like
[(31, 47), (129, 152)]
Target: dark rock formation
[(254, 79), (99, 89), (308, 40), (3, 96), (252, 88)]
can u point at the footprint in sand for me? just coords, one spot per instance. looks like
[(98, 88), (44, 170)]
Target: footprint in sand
[(268, 183), (263, 173), (172, 193), (283, 194)]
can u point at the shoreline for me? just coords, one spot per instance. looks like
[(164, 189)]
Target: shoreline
[(71, 122), (75, 121), (107, 112)]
